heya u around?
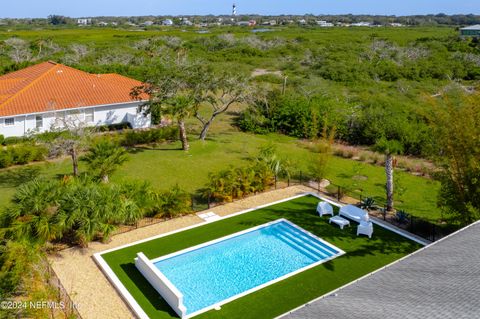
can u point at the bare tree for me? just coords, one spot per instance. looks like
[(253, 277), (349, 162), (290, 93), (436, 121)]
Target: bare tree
[(219, 93), (78, 52), (19, 50), (73, 137)]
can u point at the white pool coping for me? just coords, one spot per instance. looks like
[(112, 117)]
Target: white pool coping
[(268, 283), (137, 309)]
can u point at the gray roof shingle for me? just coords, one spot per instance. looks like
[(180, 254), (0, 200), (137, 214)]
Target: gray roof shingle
[(440, 281)]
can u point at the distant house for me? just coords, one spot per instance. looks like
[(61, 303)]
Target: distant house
[(103, 24), (148, 23), (324, 24), (361, 24), (471, 31), (84, 21), (167, 22), (46, 95)]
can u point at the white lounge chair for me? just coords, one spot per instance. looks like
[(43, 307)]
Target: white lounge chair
[(354, 213), (324, 208), (365, 228)]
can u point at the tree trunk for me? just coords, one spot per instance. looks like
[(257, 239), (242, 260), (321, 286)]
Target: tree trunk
[(389, 185), (183, 135), (74, 162), (205, 128)]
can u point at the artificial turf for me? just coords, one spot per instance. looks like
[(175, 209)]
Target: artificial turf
[(362, 256)]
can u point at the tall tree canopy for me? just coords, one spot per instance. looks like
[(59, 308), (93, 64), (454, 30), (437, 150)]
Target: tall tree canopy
[(456, 123)]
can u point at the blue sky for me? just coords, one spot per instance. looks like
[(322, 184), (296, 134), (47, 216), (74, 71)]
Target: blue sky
[(77, 8)]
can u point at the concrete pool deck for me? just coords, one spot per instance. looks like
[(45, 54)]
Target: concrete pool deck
[(94, 296)]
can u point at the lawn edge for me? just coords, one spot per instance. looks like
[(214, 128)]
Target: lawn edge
[(138, 310)]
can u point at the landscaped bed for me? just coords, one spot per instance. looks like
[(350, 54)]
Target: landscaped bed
[(362, 256)]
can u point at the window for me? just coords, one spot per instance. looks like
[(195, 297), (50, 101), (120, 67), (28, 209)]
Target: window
[(10, 121), (38, 121), (75, 116), (89, 116)]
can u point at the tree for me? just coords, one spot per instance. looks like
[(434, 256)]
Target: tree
[(219, 93), (73, 136), (19, 50), (455, 122), (323, 151), (170, 93), (183, 88), (389, 148), (104, 158), (57, 19)]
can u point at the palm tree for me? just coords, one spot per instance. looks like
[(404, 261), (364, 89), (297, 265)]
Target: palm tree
[(389, 148), (104, 158), (32, 215)]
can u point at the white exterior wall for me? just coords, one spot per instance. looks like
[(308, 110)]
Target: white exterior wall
[(103, 115)]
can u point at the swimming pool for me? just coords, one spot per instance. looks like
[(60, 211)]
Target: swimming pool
[(203, 277)]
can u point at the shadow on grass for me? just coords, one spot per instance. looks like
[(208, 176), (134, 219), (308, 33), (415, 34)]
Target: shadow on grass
[(16, 177), (146, 289)]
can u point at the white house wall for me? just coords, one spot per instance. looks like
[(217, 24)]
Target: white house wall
[(103, 115)]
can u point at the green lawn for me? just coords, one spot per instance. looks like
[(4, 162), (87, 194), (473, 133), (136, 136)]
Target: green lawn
[(168, 165), (362, 256)]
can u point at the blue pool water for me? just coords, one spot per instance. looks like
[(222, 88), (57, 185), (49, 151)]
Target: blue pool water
[(213, 273)]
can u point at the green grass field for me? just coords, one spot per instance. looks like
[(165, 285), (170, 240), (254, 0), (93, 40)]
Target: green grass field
[(167, 165), (362, 256)]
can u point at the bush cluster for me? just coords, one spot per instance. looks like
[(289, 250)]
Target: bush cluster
[(151, 136), (22, 154), (233, 183)]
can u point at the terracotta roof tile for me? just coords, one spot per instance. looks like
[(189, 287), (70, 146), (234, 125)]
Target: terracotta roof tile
[(50, 86)]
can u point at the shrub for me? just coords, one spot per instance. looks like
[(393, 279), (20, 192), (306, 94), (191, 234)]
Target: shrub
[(5, 159), (2, 139), (137, 137), (402, 217), (367, 203), (22, 154), (12, 140), (114, 127), (173, 203)]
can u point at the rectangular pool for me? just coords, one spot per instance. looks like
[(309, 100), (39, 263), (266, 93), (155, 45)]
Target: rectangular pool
[(209, 275)]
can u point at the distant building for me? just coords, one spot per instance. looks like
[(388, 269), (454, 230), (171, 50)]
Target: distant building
[(185, 21), (147, 23), (167, 22), (103, 24), (471, 31), (361, 24), (234, 10), (396, 25), (250, 23), (324, 24), (84, 21), (302, 21)]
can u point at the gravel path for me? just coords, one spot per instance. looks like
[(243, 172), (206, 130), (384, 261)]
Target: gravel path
[(88, 287)]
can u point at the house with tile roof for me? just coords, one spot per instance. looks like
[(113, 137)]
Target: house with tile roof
[(41, 96)]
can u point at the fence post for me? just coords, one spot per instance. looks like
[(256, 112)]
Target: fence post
[(301, 178), (338, 193), (208, 199), (433, 231)]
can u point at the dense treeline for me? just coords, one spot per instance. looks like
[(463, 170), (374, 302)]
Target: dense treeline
[(357, 123), (414, 20)]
